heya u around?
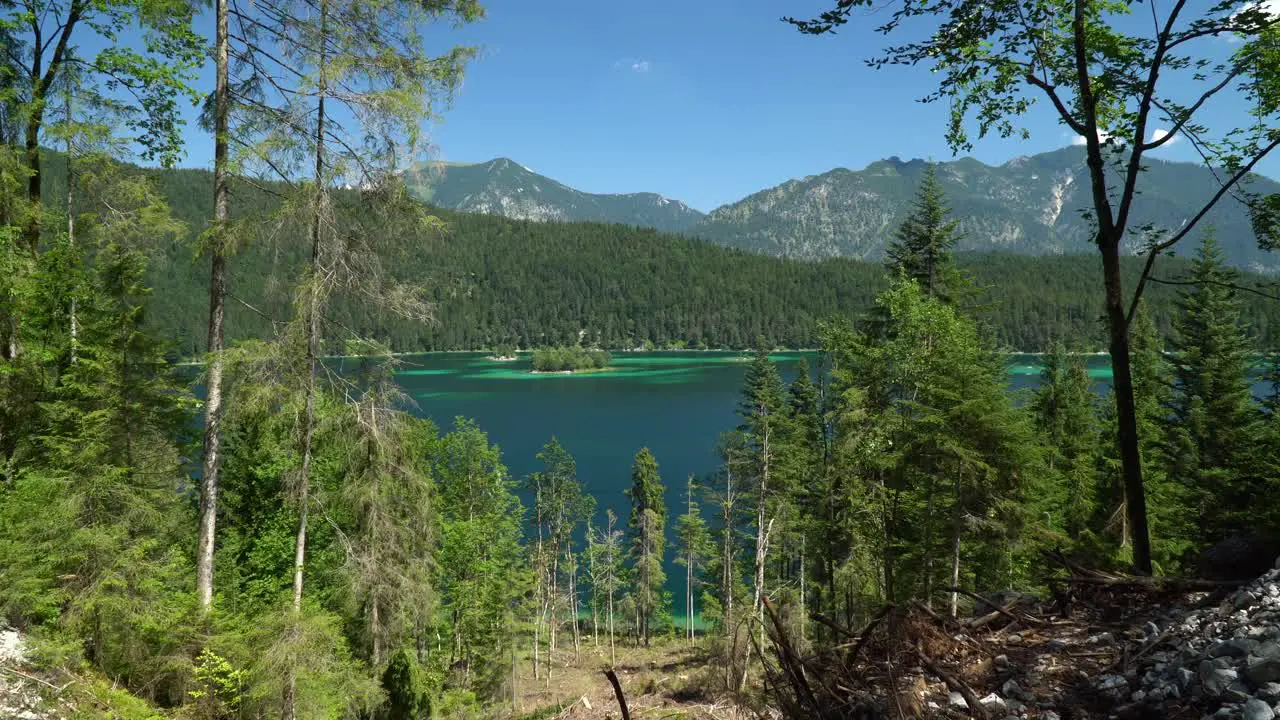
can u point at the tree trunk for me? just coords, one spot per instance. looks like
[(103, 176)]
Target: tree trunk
[(927, 580), (217, 301), (955, 542), (573, 605), (31, 230), (1126, 414), (71, 219), (613, 648), (804, 615), (312, 340)]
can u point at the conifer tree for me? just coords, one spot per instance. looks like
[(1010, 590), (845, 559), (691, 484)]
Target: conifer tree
[(560, 506), (1067, 424), (765, 429), (812, 496), (1167, 501), (90, 524), (648, 530), (386, 486), (481, 568), (605, 548), (1217, 424), (923, 244), (693, 547)]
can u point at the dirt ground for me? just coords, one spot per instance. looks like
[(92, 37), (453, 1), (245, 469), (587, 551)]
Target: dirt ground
[(668, 680)]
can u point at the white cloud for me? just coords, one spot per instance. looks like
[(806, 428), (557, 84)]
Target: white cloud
[(1079, 139), (1159, 134), (1270, 8), (634, 65)]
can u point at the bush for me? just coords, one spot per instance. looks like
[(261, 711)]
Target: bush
[(405, 687)]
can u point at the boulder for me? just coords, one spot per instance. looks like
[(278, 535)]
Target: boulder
[(1239, 557)]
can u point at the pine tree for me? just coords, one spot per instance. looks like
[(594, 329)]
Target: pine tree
[(1167, 501), (481, 568), (1068, 428), (606, 553), (648, 526), (693, 547), (91, 524), (922, 246), (812, 497), (765, 429), (1217, 424), (560, 506)]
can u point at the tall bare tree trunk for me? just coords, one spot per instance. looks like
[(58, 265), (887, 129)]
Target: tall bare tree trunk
[(210, 467), (957, 514), (71, 217), (573, 604), (313, 289)]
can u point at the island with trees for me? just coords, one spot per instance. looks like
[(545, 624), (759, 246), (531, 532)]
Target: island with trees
[(570, 359)]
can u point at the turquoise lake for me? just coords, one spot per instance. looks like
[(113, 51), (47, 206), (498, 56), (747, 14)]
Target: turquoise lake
[(674, 403)]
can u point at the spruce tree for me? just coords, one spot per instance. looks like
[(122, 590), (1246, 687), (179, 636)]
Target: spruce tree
[(648, 522), (693, 547), (922, 246), (765, 429), (1217, 423), (1167, 502), (1068, 427)]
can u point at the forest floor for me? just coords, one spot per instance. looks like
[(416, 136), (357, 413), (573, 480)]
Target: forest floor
[(670, 680)]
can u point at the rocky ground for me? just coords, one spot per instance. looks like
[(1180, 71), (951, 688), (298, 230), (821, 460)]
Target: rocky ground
[(1107, 646)]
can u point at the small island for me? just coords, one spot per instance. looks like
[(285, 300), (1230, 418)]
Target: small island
[(574, 359), (504, 353)]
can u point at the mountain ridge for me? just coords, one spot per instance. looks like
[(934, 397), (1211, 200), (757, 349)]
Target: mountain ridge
[(502, 186), (1030, 204)]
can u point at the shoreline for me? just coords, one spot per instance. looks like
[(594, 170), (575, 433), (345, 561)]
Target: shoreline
[(746, 352)]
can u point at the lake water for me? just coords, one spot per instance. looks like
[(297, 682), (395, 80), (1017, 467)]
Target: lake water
[(675, 403)]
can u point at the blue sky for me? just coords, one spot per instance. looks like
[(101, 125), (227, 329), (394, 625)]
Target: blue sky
[(705, 101)]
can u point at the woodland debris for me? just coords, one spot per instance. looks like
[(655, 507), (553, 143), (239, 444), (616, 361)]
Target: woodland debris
[(1107, 645)]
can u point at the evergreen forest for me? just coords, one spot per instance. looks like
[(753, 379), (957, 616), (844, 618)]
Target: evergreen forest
[(265, 538)]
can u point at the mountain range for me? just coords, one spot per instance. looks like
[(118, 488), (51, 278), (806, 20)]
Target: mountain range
[(1033, 205), (504, 187)]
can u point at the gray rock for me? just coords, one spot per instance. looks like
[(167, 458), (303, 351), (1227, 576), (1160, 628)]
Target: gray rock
[(1237, 692), (992, 701), (1235, 648), (957, 700), (1255, 709), (1150, 630), (1011, 689), (1113, 685), (1244, 599), (1215, 680), (1185, 678), (1269, 691), (1262, 670), (1055, 646)]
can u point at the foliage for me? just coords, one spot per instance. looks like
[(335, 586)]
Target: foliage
[(569, 359), (402, 684), (648, 527)]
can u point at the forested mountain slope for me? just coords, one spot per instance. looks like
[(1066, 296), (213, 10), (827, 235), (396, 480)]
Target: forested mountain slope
[(504, 187), (1029, 205), (494, 280)]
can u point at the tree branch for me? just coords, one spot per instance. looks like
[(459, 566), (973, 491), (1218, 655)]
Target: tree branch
[(1190, 225)]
